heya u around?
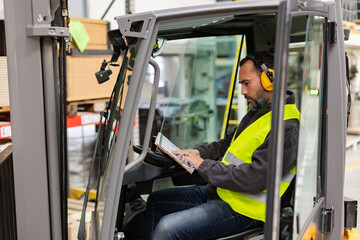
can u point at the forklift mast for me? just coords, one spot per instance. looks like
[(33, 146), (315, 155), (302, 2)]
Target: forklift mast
[(36, 91)]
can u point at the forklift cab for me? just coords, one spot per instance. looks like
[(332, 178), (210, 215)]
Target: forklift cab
[(179, 76)]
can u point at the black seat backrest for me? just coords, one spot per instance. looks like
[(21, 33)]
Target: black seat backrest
[(287, 199)]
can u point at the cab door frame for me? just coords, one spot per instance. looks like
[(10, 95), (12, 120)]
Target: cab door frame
[(148, 36), (326, 218), (276, 136)]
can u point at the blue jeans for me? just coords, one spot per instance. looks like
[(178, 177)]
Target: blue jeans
[(187, 213)]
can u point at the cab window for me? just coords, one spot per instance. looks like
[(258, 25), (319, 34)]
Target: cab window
[(306, 63)]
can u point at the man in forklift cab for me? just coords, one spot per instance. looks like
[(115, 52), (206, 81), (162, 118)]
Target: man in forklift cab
[(234, 167)]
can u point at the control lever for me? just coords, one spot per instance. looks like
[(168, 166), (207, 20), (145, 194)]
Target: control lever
[(153, 146)]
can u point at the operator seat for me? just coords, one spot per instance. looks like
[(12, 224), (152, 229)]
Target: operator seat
[(248, 233)]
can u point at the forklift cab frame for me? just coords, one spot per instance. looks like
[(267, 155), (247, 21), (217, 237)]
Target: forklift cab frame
[(286, 26), (313, 27)]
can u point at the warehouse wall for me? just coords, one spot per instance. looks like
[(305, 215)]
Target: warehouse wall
[(1, 9), (146, 5), (95, 8)]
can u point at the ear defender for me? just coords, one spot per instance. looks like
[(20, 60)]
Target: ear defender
[(267, 76), (267, 79)]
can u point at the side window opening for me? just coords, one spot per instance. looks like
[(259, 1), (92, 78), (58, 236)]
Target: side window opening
[(311, 93)]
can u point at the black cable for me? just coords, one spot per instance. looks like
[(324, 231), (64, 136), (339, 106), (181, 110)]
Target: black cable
[(82, 232), (63, 138), (348, 88), (107, 9)]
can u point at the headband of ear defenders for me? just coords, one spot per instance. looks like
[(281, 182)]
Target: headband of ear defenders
[(265, 69)]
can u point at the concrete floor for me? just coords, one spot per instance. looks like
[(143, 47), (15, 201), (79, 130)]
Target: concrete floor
[(352, 172)]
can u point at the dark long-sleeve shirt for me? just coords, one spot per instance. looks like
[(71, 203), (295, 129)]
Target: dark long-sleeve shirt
[(247, 177)]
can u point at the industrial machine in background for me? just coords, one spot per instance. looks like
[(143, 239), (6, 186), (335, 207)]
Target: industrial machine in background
[(205, 44)]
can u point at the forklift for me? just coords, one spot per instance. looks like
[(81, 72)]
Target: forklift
[(194, 100)]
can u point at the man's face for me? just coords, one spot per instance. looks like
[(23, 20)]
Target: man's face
[(251, 87)]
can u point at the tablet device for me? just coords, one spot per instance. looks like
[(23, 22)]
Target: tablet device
[(168, 147)]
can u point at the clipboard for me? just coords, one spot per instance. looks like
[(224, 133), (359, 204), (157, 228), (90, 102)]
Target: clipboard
[(167, 146)]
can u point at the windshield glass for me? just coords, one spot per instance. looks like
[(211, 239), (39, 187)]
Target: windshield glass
[(109, 129), (192, 103)]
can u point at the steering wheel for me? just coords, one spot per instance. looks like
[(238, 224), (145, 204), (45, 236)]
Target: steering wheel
[(155, 157)]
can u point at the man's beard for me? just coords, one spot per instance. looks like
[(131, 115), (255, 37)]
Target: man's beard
[(260, 100)]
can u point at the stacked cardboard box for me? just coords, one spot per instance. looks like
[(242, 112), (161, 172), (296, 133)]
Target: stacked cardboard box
[(81, 81), (81, 144), (4, 85), (97, 31)]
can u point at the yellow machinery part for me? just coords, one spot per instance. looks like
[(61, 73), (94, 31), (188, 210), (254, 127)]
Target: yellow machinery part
[(76, 193), (310, 233), (231, 89), (351, 234)]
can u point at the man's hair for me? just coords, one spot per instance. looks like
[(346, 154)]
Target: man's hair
[(265, 57)]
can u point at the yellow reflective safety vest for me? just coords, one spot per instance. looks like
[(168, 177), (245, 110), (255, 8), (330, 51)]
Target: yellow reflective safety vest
[(240, 152)]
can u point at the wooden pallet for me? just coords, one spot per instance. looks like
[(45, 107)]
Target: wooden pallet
[(4, 114), (353, 131), (4, 109), (352, 141), (97, 105), (74, 216)]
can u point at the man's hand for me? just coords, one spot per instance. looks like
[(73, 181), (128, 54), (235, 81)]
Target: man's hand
[(190, 155)]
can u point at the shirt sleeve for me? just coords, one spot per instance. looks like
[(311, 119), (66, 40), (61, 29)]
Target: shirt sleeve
[(216, 150), (252, 177)]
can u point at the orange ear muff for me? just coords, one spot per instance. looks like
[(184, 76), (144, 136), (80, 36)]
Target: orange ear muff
[(267, 79)]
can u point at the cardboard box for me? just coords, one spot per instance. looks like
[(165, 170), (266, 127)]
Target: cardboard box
[(4, 84), (81, 80), (97, 30)]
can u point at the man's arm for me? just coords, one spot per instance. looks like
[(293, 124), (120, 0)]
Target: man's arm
[(216, 150), (251, 177)]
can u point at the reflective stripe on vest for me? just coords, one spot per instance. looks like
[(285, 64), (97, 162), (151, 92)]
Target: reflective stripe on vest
[(240, 152)]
